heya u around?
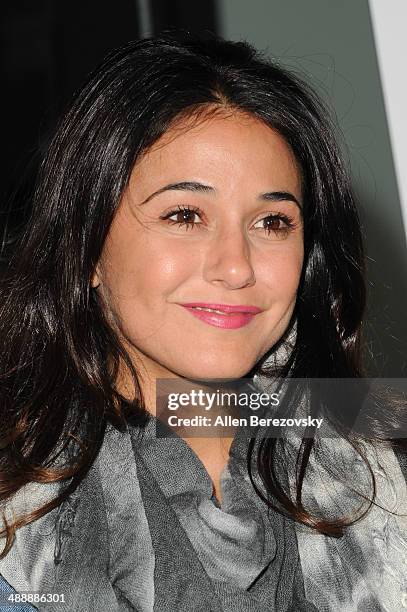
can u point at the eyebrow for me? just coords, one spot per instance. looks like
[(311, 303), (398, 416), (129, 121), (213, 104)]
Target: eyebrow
[(269, 196), (183, 186), (279, 196)]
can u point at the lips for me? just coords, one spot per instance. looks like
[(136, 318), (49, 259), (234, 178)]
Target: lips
[(225, 316), (224, 308)]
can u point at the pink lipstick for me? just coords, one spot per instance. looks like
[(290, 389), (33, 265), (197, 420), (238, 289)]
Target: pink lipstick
[(222, 315)]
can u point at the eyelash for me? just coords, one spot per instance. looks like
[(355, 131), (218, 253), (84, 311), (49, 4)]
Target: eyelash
[(288, 221)]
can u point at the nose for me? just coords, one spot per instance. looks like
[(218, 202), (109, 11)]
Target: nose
[(228, 260)]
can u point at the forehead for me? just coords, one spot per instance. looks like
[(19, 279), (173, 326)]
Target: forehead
[(225, 146)]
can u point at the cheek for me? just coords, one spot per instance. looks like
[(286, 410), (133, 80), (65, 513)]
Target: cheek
[(281, 273), (140, 274), (162, 265)]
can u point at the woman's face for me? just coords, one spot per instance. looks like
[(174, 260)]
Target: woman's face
[(211, 217)]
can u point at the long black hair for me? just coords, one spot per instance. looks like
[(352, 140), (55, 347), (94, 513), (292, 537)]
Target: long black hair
[(60, 357)]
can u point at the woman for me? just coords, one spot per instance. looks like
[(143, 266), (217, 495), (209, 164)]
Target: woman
[(192, 221)]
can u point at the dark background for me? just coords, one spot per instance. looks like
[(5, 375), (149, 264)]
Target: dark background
[(47, 48)]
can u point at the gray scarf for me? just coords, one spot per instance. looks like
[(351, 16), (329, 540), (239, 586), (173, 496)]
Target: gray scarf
[(142, 532)]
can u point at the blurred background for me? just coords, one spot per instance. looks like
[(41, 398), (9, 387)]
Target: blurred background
[(349, 51)]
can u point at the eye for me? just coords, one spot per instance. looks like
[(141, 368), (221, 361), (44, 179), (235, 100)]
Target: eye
[(184, 216), (277, 223)]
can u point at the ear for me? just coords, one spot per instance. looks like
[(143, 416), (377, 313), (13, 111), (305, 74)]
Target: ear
[(95, 279)]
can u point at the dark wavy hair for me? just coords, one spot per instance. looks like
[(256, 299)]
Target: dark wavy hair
[(60, 357)]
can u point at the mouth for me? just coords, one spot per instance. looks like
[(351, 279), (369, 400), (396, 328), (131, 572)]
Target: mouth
[(224, 316), (225, 309)]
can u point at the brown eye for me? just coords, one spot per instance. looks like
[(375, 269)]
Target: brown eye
[(272, 223), (276, 223), (183, 216)]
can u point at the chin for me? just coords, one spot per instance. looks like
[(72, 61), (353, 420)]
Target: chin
[(219, 371)]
